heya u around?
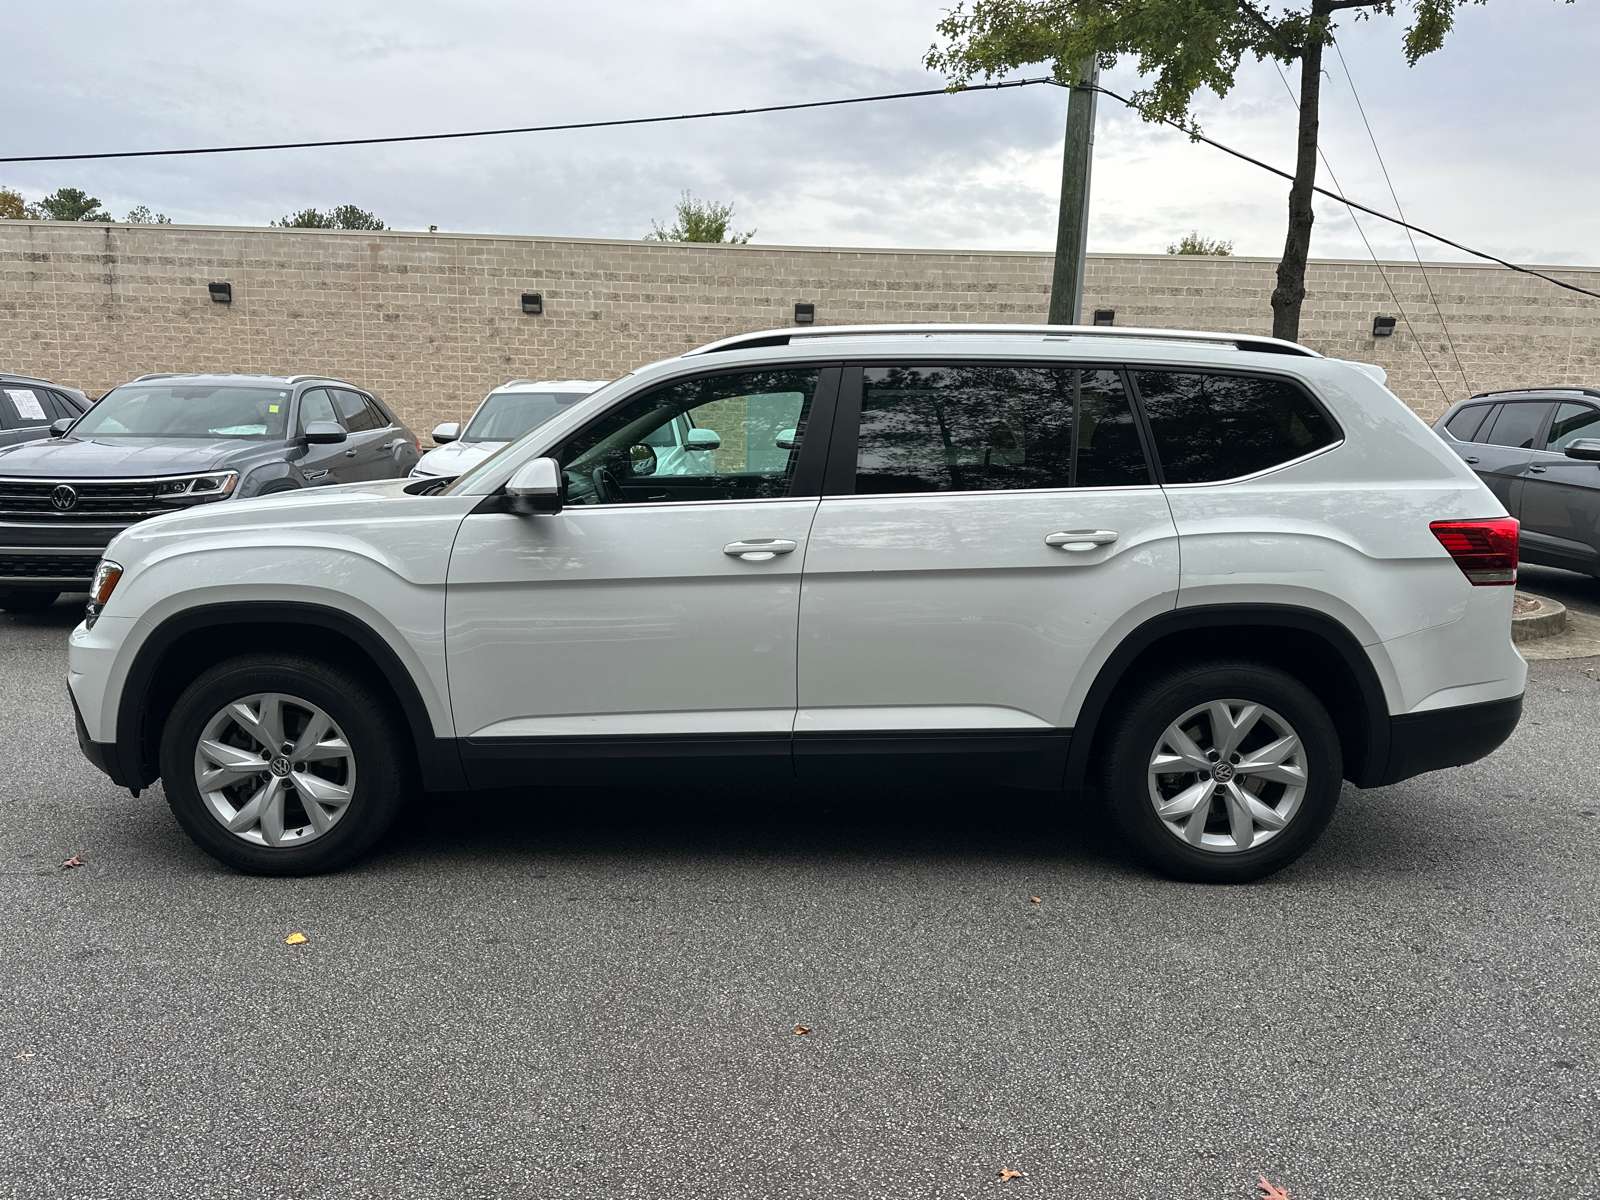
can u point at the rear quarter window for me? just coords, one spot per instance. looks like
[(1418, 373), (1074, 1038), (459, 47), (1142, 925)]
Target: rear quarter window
[(1210, 426), (1465, 424)]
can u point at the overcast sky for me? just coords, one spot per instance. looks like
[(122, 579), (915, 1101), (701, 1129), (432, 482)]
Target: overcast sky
[(1491, 141)]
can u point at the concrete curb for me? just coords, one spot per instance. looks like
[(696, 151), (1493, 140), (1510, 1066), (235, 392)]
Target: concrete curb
[(1549, 619)]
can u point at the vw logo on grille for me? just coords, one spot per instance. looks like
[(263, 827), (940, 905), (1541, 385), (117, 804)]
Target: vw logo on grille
[(64, 497)]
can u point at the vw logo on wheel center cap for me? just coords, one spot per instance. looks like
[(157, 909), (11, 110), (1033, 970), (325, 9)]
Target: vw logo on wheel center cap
[(63, 497), (1222, 772), (279, 766)]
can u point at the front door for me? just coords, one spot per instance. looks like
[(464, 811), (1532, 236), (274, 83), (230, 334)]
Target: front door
[(988, 526), (1560, 509), (326, 463), (651, 623)]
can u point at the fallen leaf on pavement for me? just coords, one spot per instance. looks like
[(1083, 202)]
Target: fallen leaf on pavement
[(1007, 1174), (1036, 899), (25, 1056), (802, 1029), (74, 861), (1271, 1191), (295, 939)]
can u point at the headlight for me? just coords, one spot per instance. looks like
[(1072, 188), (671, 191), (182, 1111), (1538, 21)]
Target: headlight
[(106, 576), (197, 489)]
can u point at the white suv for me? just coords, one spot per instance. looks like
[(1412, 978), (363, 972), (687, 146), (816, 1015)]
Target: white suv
[(506, 413), (1204, 576)]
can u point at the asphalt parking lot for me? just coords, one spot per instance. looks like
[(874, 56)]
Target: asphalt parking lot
[(596, 994)]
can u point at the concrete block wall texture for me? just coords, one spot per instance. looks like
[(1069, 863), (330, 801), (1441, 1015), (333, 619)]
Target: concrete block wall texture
[(432, 321)]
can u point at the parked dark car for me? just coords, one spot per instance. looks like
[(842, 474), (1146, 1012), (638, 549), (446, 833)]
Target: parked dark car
[(165, 442), (1538, 449), (29, 406)]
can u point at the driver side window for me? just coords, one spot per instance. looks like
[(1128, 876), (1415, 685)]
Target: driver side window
[(316, 406), (732, 436)]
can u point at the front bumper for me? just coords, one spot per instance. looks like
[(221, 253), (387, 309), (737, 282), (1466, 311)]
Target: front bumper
[(55, 555), (103, 755), (1448, 737)]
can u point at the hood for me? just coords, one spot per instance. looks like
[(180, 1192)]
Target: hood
[(124, 457), (455, 458)]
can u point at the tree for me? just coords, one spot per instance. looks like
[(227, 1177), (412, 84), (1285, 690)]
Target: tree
[(12, 205), (1186, 45), (346, 216), (1193, 243), (143, 216), (700, 221), (70, 204)]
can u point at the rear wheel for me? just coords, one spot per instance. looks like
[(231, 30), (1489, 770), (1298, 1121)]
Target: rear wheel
[(27, 601), (1222, 772), (284, 765)]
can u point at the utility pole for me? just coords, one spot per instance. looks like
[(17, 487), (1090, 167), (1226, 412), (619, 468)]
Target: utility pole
[(1072, 233)]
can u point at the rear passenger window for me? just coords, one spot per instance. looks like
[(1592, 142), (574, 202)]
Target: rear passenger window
[(1517, 425), (954, 428), (1573, 421), (1212, 426), (358, 413), (1464, 425), (24, 407)]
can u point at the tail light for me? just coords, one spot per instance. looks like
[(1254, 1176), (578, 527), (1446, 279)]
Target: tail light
[(1486, 551)]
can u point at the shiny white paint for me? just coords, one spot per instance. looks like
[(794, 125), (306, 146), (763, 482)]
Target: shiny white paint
[(631, 610), (954, 600)]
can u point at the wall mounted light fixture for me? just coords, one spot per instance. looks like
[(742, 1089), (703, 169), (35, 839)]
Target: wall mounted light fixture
[(221, 293), (1382, 326), (533, 303), (1105, 316), (805, 314)]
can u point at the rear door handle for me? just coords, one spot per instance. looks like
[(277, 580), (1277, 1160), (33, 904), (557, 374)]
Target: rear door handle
[(350, 453), (1079, 540), (760, 549), (1471, 461), (1538, 470)]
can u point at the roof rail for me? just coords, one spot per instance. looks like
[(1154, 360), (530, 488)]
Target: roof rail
[(322, 378), (514, 382), (1559, 387), (160, 375), (789, 337)]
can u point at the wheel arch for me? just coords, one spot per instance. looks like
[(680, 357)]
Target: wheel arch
[(183, 646), (1311, 646)]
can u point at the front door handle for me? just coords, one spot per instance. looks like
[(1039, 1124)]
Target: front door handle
[(1079, 540), (1538, 470), (760, 549), (350, 453)]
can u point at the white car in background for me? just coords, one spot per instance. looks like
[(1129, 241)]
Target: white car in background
[(506, 414)]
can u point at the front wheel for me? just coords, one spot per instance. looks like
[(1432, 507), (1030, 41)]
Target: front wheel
[(279, 765), (1222, 772)]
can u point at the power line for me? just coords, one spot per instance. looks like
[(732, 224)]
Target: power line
[(1438, 237), (476, 133), (1395, 196), (1373, 254)]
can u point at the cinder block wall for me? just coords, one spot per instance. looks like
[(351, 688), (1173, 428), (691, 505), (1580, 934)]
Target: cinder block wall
[(432, 321)]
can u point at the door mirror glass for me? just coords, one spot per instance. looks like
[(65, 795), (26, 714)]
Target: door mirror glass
[(448, 432), (641, 460), (1587, 449), (325, 433), (536, 487), (59, 428)]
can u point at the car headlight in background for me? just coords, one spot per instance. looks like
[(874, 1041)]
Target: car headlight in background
[(106, 576), (197, 489)]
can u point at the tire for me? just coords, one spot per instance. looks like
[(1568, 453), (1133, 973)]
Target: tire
[(360, 764), (27, 602), (1174, 720), (273, 489)]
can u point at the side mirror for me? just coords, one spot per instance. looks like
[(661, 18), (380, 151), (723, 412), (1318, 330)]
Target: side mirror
[(1587, 449), (59, 428), (702, 439), (325, 433), (536, 487), (786, 439), (448, 432), (641, 460)]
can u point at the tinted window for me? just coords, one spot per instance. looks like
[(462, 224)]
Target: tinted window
[(316, 406), (1464, 425), (1517, 425), (1211, 427), (719, 437), (1573, 421), (990, 428), (358, 413), (24, 407)]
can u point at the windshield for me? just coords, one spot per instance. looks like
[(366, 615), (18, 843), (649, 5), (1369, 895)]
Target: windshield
[(506, 416), (187, 410)]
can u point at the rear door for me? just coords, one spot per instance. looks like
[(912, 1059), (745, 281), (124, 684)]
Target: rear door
[(371, 447), (1504, 448), (984, 527), (25, 413), (1560, 508)]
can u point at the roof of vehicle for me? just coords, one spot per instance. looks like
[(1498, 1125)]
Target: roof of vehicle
[(241, 377), (1562, 389), (10, 378), (791, 337), (552, 385)]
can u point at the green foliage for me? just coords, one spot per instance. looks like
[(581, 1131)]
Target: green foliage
[(700, 221), (12, 206), (1180, 46), (346, 216), (143, 216), (1193, 243), (69, 204)]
